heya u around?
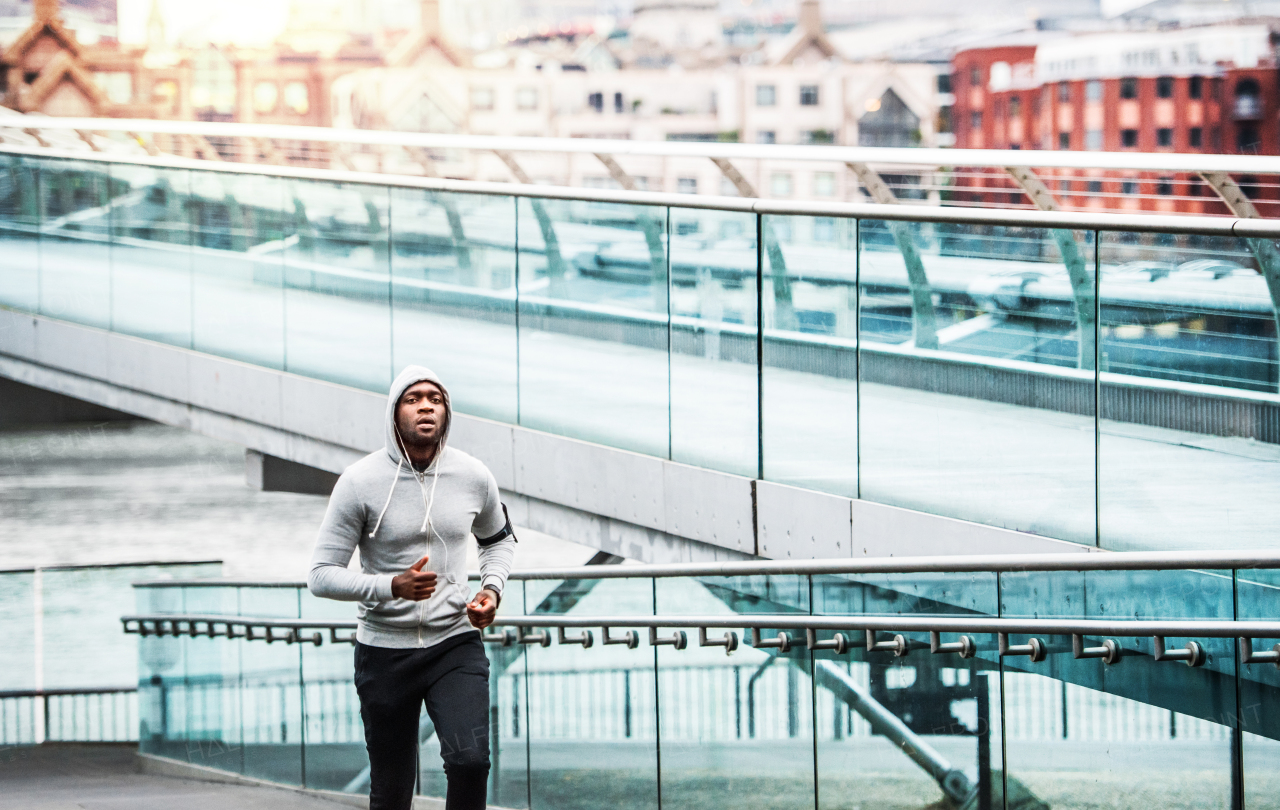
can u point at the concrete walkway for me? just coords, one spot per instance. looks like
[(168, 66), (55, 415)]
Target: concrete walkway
[(106, 777)]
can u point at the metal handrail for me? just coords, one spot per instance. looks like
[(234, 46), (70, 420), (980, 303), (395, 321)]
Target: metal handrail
[(880, 156), (38, 693), (1144, 223), (1087, 559), (1194, 654)]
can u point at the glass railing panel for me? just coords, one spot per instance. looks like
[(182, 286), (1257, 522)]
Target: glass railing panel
[(949, 705), (714, 385), (151, 254), (1080, 732), (241, 227), (810, 371), (1189, 393), (18, 716), (593, 322), (1257, 594), (453, 262), (337, 284), (270, 681), (977, 396), (737, 727), (76, 203), (206, 703), (19, 233), (591, 713)]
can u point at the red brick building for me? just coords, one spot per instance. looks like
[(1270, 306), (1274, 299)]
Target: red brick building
[(1213, 89)]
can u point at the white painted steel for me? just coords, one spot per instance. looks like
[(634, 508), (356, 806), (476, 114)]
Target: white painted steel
[(877, 156), (1146, 223)]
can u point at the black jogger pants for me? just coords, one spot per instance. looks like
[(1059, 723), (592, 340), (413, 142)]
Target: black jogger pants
[(452, 678)]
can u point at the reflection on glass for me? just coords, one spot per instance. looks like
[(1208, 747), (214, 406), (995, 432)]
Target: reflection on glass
[(1256, 593), (976, 395), (1133, 734), (76, 203), (738, 727), (270, 692), (240, 230), (950, 706), (591, 717), (337, 284), (713, 340), (453, 295), (593, 323), (1188, 341), (19, 233), (151, 255), (810, 374)]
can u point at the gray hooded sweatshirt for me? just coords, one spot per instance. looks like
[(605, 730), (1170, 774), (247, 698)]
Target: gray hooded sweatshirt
[(395, 516)]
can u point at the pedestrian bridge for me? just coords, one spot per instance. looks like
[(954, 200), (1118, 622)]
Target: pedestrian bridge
[(670, 377), (779, 396)]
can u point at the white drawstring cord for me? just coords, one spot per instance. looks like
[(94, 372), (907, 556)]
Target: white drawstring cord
[(390, 492)]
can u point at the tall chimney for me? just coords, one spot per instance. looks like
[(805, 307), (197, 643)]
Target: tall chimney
[(430, 23), (809, 18), (46, 11)]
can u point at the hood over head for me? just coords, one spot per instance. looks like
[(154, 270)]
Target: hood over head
[(409, 376)]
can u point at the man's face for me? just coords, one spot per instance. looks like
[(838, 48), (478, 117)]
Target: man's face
[(420, 415)]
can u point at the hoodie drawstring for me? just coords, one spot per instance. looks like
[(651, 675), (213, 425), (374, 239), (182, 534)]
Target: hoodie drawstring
[(390, 492)]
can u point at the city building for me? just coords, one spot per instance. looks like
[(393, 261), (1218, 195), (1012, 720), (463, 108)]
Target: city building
[(1204, 89)]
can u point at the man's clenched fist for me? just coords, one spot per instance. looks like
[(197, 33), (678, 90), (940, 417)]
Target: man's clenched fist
[(482, 608), (414, 584)]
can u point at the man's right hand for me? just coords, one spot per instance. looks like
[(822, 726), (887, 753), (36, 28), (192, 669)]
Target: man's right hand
[(414, 584)]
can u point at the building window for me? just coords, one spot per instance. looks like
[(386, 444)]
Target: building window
[(1093, 139), (686, 185), (1195, 87), (824, 184), (1015, 107), (1247, 139), (975, 120), (527, 98), (1164, 87), (165, 93), (766, 136), (1129, 138), (1093, 90), (296, 98), (1095, 186), (780, 184), (1164, 186), (1129, 87), (265, 97), (944, 82), (1064, 186), (975, 77), (1164, 136), (596, 101), (766, 95), (1195, 137), (482, 98), (617, 103), (1064, 140), (808, 95), (1064, 91), (1129, 187), (818, 136)]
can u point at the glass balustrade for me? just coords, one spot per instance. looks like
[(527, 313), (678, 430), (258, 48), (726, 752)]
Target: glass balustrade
[(758, 719), (1118, 389)]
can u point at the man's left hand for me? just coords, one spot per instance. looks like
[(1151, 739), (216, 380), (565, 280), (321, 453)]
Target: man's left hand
[(481, 609)]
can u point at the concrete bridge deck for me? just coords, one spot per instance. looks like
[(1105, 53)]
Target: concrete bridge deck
[(108, 776)]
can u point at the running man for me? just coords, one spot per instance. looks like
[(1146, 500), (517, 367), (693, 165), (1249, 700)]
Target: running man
[(412, 508)]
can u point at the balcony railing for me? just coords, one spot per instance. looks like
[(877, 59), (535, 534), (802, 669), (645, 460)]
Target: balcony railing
[(995, 682)]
